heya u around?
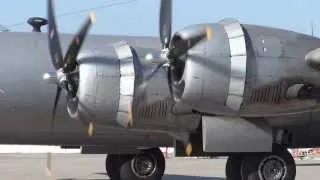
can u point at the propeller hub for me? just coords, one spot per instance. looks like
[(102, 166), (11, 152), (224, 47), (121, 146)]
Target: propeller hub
[(164, 54), (58, 77), (50, 77), (61, 76)]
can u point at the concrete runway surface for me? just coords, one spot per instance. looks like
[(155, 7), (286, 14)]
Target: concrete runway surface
[(91, 167)]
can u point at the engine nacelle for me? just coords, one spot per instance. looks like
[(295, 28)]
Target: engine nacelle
[(109, 94), (98, 89), (213, 77), (248, 71)]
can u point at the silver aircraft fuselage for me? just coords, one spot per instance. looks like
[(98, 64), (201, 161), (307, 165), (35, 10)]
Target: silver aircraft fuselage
[(274, 58)]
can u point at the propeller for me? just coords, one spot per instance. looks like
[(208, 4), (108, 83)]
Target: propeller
[(175, 49), (174, 52), (181, 42), (66, 66)]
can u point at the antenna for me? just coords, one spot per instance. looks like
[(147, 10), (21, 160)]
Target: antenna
[(36, 23), (312, 28)]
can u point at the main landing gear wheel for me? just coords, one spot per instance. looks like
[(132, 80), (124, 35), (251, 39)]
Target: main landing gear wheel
[(109, 165), (114, 163), (233, 167), (278, 165), (147, 165)]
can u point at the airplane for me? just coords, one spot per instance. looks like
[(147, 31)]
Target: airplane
[(244, 91)]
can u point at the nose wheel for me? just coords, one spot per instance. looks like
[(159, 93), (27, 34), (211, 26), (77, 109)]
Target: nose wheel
[(146, 165)]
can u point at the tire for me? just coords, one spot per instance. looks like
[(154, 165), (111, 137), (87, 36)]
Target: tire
[(108, 165), (128, 172), (249, 167), (161, 161), (259, 166), (114, 164), (233, 167)]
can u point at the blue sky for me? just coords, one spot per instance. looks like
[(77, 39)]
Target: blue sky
[(140, 17)]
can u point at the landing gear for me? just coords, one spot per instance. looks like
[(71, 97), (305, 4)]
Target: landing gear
[(113, 162), (233, 167), (147, 165), (278, 165)]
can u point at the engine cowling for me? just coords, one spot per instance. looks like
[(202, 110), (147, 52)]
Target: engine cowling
[(98, 88), (109, 87), (213, 72)]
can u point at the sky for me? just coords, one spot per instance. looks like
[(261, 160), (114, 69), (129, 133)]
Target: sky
[(140, 17)]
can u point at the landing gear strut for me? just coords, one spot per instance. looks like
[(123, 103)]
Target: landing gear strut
[(278, 165), (147, 165)]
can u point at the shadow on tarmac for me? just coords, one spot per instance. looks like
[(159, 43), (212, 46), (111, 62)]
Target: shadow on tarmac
[(180, 177), (165, 177), (82, 179)]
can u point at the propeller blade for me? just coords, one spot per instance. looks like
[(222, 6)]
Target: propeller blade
[(154, 72), (141, 88), (165, 22), (180, 45), (90, 129), (55, 105), (53, 36), (75, 46), (169, 72), (188, 149)]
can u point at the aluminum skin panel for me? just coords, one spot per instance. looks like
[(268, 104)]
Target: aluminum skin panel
[(98, 91), (227, 135)]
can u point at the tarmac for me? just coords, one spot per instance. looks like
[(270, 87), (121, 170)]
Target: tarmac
[(91, 167)]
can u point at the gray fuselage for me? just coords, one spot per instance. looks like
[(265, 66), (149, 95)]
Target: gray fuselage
[(274, 57)]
